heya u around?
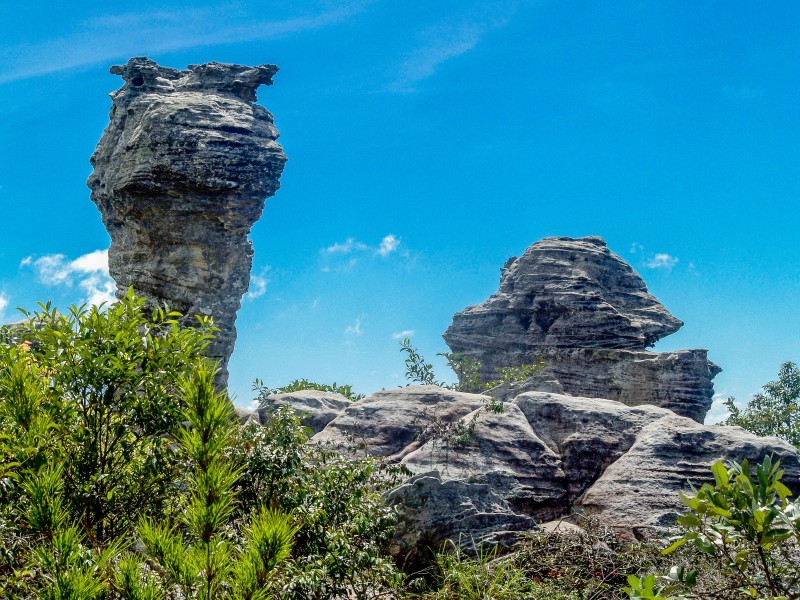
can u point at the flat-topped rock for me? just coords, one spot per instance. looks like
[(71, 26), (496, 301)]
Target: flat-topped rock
[(181, 173)]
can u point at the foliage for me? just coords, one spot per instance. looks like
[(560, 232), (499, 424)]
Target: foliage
[(95, 391), (467, 369), (123, 474), (343, 525), (589, 564), (198, 553), (776, 411), (747, 526), (488, 575), (304, 384)]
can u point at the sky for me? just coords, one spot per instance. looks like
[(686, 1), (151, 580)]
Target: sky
[(427, 143)]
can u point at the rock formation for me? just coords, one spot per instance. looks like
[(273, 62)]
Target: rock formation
[(548, 455), (586, 313), (181, 173), (314, 408)]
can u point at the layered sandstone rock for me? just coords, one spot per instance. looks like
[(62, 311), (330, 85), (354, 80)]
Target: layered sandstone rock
[(181, 173), (547, 456), (586, 313)]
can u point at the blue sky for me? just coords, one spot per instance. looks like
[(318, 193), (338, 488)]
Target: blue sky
[(427, 143)]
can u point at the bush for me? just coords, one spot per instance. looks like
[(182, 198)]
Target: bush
[(343, 525), (748, 529), (124, 475), (776, 411)]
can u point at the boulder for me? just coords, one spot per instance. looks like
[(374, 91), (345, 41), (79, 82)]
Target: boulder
[(389, 423), (545, 457), (587, 315), (315, 408), (181, 173), (504, 452), (587, 434), (640, 492)]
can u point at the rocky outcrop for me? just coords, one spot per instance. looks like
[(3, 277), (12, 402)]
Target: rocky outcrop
[(388, 423), (584, 312), (314, 408), (181, 173), (547, 456)]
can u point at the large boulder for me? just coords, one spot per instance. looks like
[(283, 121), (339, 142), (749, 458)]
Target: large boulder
[(180, 176), (587, 315), (546, 456), (640, 492), (389, 423)]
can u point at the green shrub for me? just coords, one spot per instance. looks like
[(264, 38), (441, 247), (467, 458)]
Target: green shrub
[(749, 530), (304, 384), (344, 527), (776, 411)]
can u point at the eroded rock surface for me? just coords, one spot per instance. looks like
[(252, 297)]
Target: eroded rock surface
[(588, 315), (547, 456), (181, 173)]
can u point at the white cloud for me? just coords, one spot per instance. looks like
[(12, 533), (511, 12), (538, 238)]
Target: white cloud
[(88, 271), (450, 39), (388, 245), (636, 247), (347, 247), (258, 285), (117, 36), (355, 328), (3, 303), (718, 412), (402, 334), (662, 261)]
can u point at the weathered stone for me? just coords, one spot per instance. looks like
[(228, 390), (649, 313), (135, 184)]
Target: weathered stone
[(584, 312), (546, 456), (388, 423), (245, 416), (504, 452), (587, 434), (433, 510), (315, 408), (640, 492), (180, 176)]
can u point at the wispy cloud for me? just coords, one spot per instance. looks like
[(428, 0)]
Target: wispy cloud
[(354, 250), (662, 261), (718, 412), (258, 285), (347, 247), (402, 334), (450, 39), (354, 329), (89, 272), (118, 36), (388, 245)]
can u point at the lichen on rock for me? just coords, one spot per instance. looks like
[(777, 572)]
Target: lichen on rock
[(180, 176)]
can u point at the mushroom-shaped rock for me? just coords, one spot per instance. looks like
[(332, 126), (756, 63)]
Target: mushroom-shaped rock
[(181, 173)]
